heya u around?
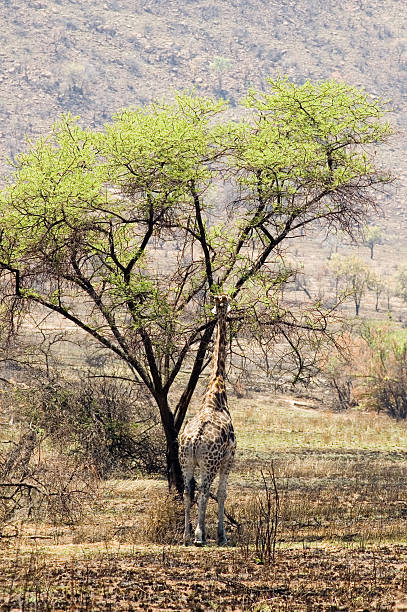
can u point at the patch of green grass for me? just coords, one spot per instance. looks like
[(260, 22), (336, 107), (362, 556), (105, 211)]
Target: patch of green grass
[(265, 425)]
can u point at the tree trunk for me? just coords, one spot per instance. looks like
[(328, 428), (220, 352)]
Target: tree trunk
[(173, 421), (174, 473)]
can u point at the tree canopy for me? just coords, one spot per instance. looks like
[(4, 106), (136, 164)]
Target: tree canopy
[(128, 231), (352, 275), (372, 236)]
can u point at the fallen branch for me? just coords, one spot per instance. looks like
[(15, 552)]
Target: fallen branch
[(20, 485)]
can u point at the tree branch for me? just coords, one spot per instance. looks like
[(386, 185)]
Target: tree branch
[(202, 236), (183, 403)]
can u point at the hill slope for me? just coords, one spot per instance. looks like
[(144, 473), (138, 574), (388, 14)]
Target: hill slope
[(92, 58)]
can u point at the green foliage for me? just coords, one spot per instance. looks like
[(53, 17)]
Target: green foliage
[(221, 64), (372, 236), (383, 373), (129, 231), (307, 134), (352, 275)]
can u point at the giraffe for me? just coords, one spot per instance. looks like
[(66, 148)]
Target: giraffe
[(208, 440)]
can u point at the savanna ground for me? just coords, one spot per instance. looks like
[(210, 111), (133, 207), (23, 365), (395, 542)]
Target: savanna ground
[(341, 540)]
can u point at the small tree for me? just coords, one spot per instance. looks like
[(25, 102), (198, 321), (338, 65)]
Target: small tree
[(333, 242), (372, 236), (116, 231), (401, 283), (382, 374), (220, 66), (352, 274), (389, 290), (377, 285)]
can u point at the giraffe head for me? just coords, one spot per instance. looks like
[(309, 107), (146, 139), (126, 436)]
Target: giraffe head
[(222, 306)]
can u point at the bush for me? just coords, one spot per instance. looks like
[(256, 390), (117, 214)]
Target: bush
[(339, 380), (164, 519), (37, 484), (103, 422), (338, 370), (257, 518), (383, 372), (370, 370)]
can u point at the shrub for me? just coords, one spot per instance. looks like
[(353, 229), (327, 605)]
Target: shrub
[(339, 380), (164, 519), (382, 384), (103, 422), (254, 520), (35, 483), (338, 370), (370, 369)]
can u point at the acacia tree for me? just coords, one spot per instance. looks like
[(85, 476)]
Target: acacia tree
[(401, 283), (129, 231), (372, 236), (352, 275), (377, 285)]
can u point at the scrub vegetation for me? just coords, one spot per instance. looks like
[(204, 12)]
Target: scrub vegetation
[(180, 164)]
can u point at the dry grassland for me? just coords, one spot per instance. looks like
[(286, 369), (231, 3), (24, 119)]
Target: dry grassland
[(341, 537)]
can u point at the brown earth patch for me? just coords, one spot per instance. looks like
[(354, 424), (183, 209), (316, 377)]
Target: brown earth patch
[(172, 578)]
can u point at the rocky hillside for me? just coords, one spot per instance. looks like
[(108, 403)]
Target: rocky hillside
[(91, 58)]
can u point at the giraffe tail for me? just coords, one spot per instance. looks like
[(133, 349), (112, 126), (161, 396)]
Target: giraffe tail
[(192, 488)]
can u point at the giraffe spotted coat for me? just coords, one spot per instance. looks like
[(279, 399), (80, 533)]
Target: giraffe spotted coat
[(207, 444)]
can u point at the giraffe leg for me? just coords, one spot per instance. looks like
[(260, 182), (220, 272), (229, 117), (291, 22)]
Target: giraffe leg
[(189, 489), (200, 531), (187, 529), (221, 495)]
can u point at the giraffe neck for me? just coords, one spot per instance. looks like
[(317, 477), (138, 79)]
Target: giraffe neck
[(219, 351), (215, 397)]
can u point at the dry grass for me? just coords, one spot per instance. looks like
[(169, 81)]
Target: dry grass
[(163, 578), (341, 542)]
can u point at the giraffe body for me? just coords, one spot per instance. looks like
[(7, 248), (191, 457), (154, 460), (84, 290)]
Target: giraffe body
[(207, 444)]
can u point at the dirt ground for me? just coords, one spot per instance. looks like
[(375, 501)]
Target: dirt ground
[(172, 578), (340, 542)]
